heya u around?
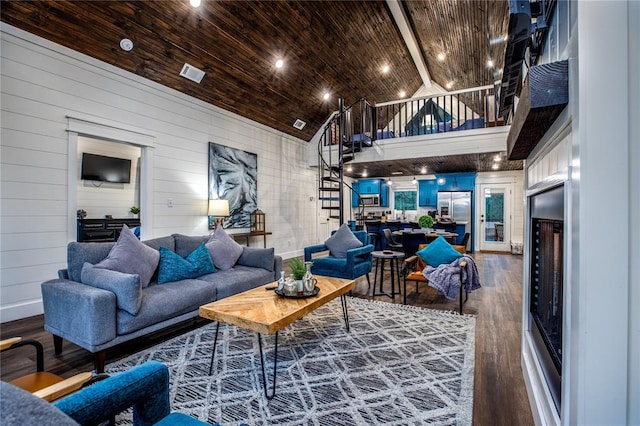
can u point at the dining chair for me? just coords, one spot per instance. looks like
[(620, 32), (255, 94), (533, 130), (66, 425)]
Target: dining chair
[(392, 244), (411, 241), (373, 230), (463, 243), (393, 225)]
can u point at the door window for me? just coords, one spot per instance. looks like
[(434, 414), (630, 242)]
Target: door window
[(494, 220)]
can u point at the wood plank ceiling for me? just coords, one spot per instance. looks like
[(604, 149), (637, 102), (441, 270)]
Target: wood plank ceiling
[(337, 47)]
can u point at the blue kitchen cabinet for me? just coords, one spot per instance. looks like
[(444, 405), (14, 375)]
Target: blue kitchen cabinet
[(354, 193), (456, 181), (427, 193), (384, 194), (369, 186)]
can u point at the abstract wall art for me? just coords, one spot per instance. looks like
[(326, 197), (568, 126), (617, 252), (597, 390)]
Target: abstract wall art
[(233, 176)]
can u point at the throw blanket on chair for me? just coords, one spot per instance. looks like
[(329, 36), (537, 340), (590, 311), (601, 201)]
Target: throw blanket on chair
[(446, 278)]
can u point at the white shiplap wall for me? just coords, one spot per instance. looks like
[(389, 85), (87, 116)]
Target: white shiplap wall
[(42, 83)]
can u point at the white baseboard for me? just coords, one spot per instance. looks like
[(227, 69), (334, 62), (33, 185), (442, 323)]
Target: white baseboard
[(20, 311)]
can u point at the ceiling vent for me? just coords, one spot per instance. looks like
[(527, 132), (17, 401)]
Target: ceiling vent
[(299, 124), (192, 73)]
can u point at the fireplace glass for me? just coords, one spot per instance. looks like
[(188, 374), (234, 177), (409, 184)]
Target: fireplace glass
[(546, 286)]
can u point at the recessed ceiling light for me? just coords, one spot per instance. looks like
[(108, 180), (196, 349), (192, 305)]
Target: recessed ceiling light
[(349, 168), (497, 158), (495, 166), (364, 174), (326, 96), (449, 85), (497, 40), (423, 171), (279, 63), (397, 173), (402, 93), (441, 56), (126, 44), (194, 3), (489, 63), (385, 69)]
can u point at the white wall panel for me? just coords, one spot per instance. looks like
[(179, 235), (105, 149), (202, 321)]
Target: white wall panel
[(43, 83)]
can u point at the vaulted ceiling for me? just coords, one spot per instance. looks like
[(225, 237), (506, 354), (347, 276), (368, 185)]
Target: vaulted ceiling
[(335, 47)]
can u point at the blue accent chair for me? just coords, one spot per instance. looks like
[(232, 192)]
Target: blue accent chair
[(144, 387), (357, 263)]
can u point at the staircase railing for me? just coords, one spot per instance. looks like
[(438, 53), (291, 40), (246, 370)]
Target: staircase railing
[(447, 112), (338, 145)]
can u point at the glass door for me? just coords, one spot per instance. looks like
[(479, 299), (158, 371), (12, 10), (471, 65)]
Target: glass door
[(495, 217)]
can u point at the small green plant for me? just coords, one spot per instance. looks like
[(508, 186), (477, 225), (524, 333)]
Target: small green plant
[(425, 221), (297, 268), (134, 210)]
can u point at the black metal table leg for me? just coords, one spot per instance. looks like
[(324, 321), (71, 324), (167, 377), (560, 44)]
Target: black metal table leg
[(275, 365), (381, 290), (345, 311), (215, 342)]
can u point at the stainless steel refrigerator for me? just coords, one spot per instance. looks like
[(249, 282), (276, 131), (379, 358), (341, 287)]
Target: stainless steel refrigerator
[(457, 206)]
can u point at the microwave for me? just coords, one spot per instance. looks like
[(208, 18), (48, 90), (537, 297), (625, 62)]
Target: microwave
[(370, 200)]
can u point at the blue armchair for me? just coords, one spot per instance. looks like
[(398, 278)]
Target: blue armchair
[(145, 388), (356, 264)]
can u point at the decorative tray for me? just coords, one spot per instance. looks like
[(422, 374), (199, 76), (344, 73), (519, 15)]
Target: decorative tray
[(315, 291)]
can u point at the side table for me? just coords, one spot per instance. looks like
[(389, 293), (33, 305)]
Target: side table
[(394, 258)]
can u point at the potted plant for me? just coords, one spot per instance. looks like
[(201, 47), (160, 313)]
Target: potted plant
[(134, 210), (297, 268), (425, 221)]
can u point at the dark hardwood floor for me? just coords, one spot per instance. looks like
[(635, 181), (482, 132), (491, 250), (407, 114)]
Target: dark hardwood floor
[(500, 397)]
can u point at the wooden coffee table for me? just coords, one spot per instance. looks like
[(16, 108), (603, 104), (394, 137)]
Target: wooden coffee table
[(263, 311)]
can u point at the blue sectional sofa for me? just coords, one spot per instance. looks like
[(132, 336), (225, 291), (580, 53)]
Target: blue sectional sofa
[(92, 317)]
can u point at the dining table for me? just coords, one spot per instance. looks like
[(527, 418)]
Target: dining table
[(430, 234)]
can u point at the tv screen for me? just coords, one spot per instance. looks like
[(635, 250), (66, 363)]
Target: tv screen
[(105, 169)]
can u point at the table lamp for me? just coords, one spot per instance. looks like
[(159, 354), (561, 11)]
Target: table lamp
[(218, 209)]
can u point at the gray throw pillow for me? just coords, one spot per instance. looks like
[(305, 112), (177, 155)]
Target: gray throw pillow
[(257, 257), (131, 256), (223, 249), (126, 287), (341, 241)]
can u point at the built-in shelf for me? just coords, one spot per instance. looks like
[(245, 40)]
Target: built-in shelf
[(100, 230)]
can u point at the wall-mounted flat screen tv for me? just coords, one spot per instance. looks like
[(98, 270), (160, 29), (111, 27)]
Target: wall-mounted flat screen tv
[(105, 169)]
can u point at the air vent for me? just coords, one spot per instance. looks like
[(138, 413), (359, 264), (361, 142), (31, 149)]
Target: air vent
[(192, 73), (299, 124)]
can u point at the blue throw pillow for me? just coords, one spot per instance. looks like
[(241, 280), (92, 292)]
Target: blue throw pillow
[(174, 267), (438, 252), (126, 287), (342, 241)]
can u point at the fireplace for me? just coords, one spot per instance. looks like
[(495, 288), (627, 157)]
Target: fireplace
[(546, 284)]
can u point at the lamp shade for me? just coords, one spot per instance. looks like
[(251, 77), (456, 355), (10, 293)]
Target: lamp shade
[(218, 208)]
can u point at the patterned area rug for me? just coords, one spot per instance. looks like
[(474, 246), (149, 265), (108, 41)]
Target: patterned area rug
[(398, 365)]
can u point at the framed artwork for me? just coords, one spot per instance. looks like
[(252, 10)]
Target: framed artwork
[(233, 176)]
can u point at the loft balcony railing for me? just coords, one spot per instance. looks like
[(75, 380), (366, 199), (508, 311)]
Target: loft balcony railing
[(447, 112)]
